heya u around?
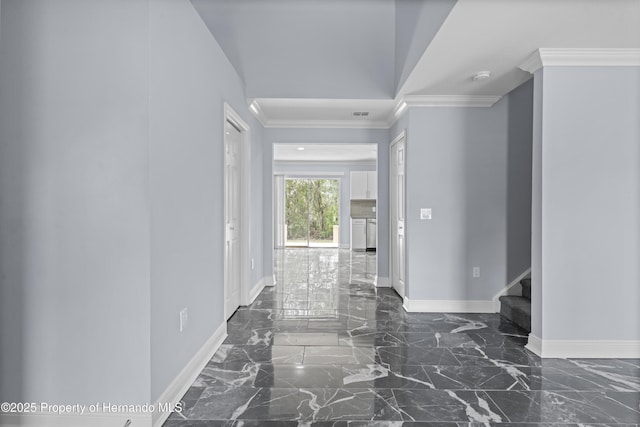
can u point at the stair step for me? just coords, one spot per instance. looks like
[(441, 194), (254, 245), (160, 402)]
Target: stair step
[(517, 309), (526, 287)]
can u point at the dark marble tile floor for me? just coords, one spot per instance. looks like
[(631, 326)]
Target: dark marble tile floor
[(325, 348)]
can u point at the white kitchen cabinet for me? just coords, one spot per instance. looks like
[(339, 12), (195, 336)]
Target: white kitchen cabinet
[(358, 234), (372, 184), (364, 185)]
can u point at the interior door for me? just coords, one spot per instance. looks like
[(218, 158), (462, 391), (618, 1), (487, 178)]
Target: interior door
[(232, 273), (397, 213)]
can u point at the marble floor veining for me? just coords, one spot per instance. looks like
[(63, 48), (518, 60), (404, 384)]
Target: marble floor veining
[(324, 347)]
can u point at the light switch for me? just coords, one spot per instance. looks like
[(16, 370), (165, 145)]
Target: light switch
[(425, 213)]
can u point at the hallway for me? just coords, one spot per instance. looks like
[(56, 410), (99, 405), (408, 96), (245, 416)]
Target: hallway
[(325, 345)]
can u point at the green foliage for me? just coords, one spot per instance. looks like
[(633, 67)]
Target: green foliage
[(313, 202)]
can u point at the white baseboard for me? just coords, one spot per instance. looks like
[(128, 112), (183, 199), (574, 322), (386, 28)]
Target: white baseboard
[(513, 288), (253, 293), (189, 373), (382, 282), (447, 306), (534, 344), (98, 418), (345, 246), (584, 349), (45, 419)]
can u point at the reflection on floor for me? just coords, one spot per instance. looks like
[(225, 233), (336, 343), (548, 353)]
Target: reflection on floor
[(324, 348)]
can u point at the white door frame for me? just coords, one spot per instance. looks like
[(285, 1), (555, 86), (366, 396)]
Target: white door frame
[(401, 135), (245, 203)]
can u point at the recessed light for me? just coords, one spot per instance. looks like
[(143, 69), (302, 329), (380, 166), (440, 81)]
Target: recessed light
[(301, 148), (481, 75)]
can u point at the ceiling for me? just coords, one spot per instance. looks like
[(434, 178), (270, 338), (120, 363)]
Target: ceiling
[(314, 152), (312, 63)]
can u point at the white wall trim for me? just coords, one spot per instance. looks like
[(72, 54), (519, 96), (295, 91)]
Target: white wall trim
[(269, 281), (180, 384), (255, 109), (387, 122), (448, 306), (513, 288), (549, 57), (327, 124), (534, 344), (343, 163), (450, 100), (345, 246), (171, 396), (255, 291), (45, 419), (290, 174), (382, 282), (586, 349)]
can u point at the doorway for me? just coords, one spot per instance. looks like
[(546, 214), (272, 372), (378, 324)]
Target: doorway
[(237, 200), (397, 157), (312, 212)]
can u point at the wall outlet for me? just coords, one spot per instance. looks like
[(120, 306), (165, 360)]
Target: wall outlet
[(184, 319), (476, 271), (425, 213)]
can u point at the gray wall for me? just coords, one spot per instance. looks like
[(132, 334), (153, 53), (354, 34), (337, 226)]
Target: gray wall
[(74, 212), (345, 169), (536, 207), (458, 165), (587, 227), (520, 137), (275, 46), (416, 23), (377, 136), (111, 189), (190, 80)]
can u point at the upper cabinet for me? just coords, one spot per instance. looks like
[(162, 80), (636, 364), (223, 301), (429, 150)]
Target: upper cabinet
[(364, 185)]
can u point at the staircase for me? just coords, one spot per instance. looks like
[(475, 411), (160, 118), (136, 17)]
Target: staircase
[(518, 308)]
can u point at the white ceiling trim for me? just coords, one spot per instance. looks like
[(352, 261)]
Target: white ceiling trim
[(326, 124), (400, 108), (550, 57), (254, 107), (450, 100)]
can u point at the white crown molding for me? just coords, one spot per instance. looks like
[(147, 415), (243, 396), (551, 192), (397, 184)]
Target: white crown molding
[(550, 57), (448, 306), (401, 107), (584, 349), (450, 100), (254, 108), (324, 162), (398, 111), (326, 124)]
